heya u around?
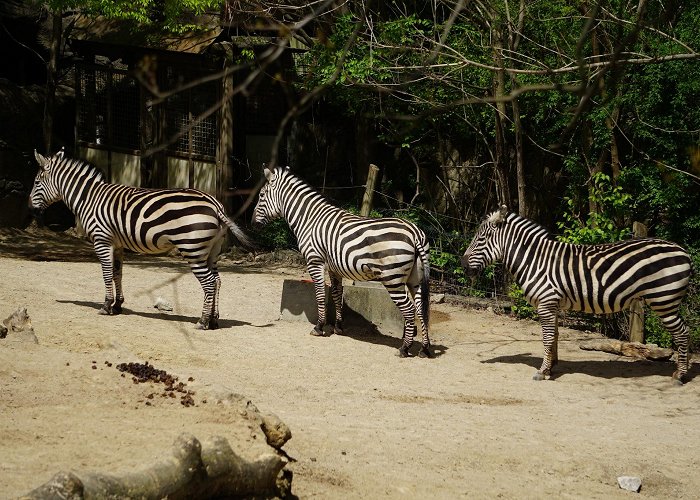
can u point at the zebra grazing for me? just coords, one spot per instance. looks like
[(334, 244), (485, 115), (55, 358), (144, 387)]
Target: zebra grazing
[(590, 278), (147, 221), (392, 251)]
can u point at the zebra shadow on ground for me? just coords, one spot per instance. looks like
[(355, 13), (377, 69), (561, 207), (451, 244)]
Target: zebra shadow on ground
[(608, 369), (223, 322), (298, 304), (356, 327)]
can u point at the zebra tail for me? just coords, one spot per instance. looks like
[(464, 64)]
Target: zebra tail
[(238, 233), (425, 285)]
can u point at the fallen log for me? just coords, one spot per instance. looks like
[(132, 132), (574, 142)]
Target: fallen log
[(19, 326), (630, 349), (210, 469)]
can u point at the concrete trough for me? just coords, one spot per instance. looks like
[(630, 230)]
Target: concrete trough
[(363, 302)]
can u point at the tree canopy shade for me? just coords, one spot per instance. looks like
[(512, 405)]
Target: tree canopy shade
[(171, 14), (512, 82)]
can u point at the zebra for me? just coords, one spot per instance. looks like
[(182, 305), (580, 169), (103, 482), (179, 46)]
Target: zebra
[(597, 279), (147, 221), (389, 250)]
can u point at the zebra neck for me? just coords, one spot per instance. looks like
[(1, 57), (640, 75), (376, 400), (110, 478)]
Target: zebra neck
[(302, 206), (76, 188), (522, 241)]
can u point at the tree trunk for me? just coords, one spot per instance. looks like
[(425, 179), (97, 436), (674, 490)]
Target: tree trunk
[(523, 206), (501, 157), (51, 72)]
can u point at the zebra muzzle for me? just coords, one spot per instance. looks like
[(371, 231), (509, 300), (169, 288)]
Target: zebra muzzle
[(469, 270), (38, 214)]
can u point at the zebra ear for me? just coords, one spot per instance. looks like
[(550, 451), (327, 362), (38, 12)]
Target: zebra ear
[(268, 174), (41, 160), (503, 212), (60, 154)]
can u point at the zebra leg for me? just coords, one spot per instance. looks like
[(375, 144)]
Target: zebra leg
[(117, 265), (402, 300), (316, 272), (679, 331), (211, 260), (555, 345), (418, 298), (337, 294), (548, 319), (208, 280), (214, 320), (105, 253)]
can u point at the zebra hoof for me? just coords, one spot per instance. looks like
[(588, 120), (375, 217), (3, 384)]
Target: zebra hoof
[(425, 353), (104, 312), (199, 326), (317, 332), (678, 378), (403, 352), (538, 376), (116, 309)]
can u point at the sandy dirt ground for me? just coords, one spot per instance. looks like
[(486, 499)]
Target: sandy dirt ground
[(366, 424)]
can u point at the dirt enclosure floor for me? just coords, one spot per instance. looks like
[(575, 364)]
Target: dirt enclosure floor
[(365, 424)]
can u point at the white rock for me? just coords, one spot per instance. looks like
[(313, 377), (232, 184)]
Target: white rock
[(162, 304), (630, 483), (437, 298)]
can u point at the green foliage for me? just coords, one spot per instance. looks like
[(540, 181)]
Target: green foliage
[(690, 308), (654, 330), (276, 235), (521, 308), (598, 227), (449, 265), (174, 16)]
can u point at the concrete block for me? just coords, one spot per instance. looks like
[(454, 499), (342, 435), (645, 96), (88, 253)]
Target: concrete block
[(299, 301), (363, 302), (371, 301)]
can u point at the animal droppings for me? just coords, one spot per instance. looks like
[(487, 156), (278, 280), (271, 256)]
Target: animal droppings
[(143, 372)]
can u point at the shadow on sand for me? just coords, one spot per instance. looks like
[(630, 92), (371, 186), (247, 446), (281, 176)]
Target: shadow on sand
[(223, 323), (609, 369)]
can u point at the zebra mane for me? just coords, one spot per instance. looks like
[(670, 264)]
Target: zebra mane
[(530, 226), (498, 216), (79, 164)]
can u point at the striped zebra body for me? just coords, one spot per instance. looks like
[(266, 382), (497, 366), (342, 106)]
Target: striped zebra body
[(391, 251), (597, 279), (147, 221)]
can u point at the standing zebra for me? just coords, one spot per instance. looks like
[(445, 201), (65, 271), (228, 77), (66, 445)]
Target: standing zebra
[(589, 278), (392, 251), (147, 221)]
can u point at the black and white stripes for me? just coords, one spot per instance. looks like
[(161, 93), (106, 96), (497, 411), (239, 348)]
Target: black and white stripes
[(589, 278), (147, 221), (392, 251)]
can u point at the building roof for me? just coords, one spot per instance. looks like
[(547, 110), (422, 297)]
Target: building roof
[(118, 32)]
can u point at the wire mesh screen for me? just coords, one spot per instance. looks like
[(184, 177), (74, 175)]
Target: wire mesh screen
[(191, 125), (109, 111), (124, 112), (108, 107)]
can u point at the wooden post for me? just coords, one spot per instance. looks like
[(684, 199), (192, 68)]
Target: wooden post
[(637, 306), (369, 190)]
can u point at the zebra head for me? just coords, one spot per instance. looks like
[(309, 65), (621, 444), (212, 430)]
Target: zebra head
[(485, 248), (269, 204), (44, 192)]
